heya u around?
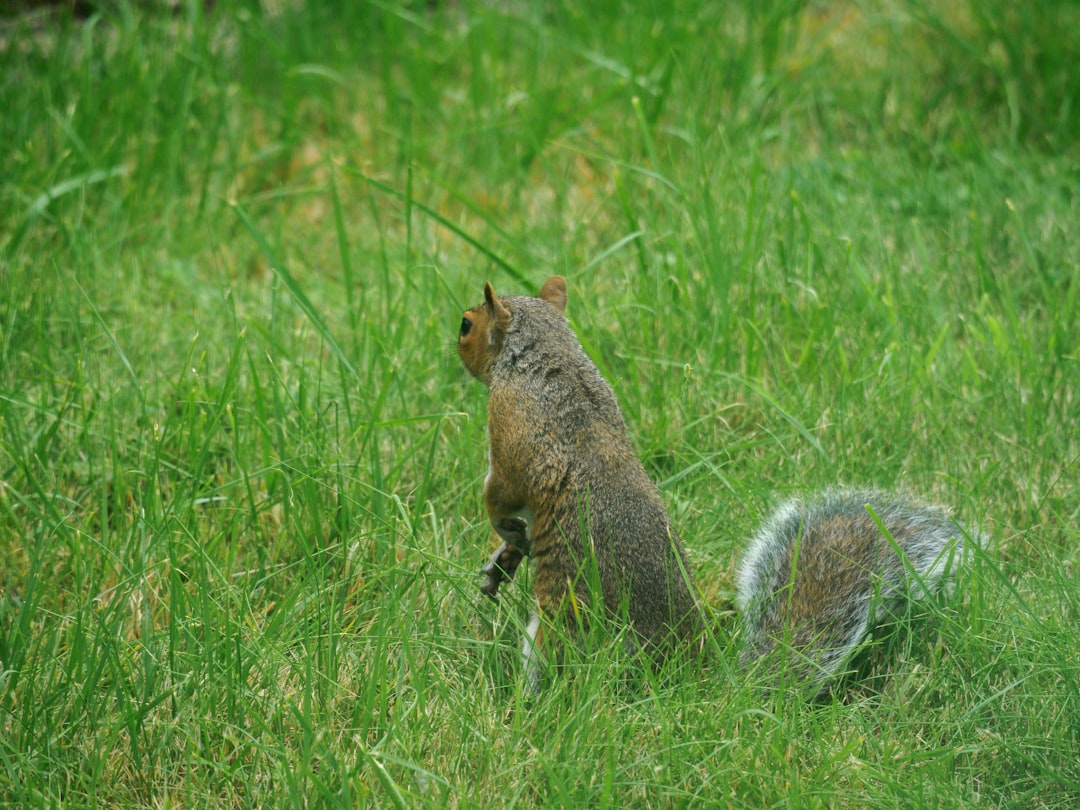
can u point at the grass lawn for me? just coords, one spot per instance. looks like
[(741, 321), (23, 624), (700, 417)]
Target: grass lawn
[(808, 243)]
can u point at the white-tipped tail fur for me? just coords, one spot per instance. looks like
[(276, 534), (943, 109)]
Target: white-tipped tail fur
[(820, 573)]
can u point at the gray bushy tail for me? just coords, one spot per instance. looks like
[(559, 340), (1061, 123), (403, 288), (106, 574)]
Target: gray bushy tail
[(820, 574)]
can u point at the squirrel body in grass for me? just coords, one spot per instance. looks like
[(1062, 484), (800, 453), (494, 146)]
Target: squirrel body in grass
[(565, 487)]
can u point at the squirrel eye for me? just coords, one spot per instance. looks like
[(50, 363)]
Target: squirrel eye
[(466, 326)]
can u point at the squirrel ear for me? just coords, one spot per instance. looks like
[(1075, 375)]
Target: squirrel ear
[(554, 292), (497, 308)]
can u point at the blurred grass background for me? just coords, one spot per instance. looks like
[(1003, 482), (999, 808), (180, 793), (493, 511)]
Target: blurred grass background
[(240, 465)]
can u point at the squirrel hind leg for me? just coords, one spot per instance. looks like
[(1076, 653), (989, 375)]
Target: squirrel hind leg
[(532, 660)]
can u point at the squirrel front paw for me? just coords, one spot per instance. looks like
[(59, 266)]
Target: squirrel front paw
[(502, 566)]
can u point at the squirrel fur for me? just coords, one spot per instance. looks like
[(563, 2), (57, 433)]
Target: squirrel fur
[(820, 574), (565, 487), (564, 479)]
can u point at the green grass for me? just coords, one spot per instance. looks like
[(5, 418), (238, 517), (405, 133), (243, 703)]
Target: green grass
[(241, 467)]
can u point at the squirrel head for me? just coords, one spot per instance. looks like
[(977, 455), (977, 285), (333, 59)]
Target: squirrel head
[(483, 328)]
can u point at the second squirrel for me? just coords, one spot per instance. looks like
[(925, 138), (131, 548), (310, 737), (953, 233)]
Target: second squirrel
[(565, 487)]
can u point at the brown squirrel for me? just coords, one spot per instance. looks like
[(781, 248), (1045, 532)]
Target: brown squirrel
[(564, 481), (565, 487)]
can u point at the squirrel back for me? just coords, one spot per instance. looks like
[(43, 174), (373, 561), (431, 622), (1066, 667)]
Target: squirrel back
[(564, 484), (820, 574)]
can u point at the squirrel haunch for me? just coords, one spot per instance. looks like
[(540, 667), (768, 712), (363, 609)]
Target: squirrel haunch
[(564, 484)]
